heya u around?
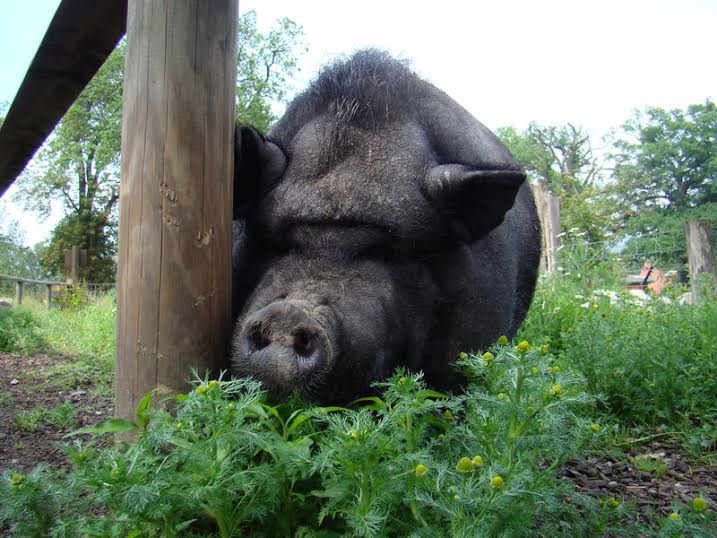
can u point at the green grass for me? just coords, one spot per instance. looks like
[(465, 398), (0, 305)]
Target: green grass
[(61, 416), (85, 332)]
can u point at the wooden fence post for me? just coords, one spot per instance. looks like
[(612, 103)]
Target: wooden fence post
[(548, 206), (49, 296), (18, 292), (174, 270), (700, 252)]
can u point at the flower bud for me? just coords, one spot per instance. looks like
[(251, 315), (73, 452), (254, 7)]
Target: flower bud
[(464, 465), (421, 470)]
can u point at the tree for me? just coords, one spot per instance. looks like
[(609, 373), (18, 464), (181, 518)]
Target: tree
[(665, 172), (667, 160), (15, 258), (561, 156), (265, 63), (79, 164)]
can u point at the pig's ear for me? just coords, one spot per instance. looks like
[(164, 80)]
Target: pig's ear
[(258, 166), (475, 201)]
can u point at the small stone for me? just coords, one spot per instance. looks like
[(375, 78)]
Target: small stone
[(78, 393), (14, 382), (98, 413)]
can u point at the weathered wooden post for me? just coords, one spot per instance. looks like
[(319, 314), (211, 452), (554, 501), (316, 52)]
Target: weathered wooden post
[(49, 296), (700, 252), (18, 291), (548, 206), (174, 273)]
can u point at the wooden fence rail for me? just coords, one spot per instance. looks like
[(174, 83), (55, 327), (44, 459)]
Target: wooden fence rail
[(20, 282)]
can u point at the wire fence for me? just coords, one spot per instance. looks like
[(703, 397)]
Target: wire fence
[(666, 249)]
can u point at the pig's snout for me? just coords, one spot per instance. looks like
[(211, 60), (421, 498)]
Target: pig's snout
[(282, 346)]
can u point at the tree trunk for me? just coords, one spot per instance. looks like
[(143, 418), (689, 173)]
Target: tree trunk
[(174, 274)]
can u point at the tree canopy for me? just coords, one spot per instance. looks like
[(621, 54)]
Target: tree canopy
[(666, 161), (15, 258), (561, 156)]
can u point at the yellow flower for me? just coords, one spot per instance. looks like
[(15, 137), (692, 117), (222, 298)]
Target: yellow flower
[(497, 482), (544, 348), (488, 355), (612, 501), (699, 504), (17, 479), (201, 389), (464, 465), (501, 396), (421, 469), (556, 390), (675, 516), (503, 340), (534, 369), (523, 345), (213, 383), (595, 426), (477, 461), (463, 355), (554, 369)]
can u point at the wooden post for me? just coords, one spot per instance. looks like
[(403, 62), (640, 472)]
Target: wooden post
[(700, 252), (548, 206), (75, 268), (49, 296), (18, 291), (174, 271)]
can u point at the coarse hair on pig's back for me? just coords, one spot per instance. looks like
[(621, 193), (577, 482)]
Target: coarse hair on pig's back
[(367, 90)]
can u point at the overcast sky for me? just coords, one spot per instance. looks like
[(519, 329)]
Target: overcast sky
[(508, 62)]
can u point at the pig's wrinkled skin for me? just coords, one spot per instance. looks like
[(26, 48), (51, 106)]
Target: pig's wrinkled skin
[(377, 225)]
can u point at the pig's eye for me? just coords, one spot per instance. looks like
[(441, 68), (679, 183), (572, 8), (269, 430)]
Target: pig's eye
[(376, 252)]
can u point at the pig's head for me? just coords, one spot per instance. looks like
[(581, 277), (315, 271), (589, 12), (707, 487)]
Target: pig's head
[(348, 211)]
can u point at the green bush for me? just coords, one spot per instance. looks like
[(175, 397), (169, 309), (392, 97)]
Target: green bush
[(654, 365), (20, 331), (410, 462)]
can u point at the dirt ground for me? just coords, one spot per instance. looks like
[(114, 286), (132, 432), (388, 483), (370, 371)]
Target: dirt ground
[(23, 387), (673, 475)]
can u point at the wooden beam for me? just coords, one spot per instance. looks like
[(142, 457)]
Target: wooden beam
[(80, 37), (174, 273)]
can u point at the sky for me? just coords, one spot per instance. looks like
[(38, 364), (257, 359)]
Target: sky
[(508, 62)]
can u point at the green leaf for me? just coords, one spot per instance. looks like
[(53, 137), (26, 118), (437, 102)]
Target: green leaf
[(378, 403), (115, 425), (143, 404), (427, 393)]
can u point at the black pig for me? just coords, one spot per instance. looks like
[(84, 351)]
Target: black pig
[(377, 225)]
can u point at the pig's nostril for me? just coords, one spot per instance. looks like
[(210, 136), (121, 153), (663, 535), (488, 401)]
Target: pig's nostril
[(258, 339), (303, 344)]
